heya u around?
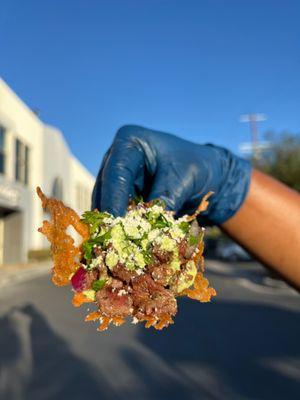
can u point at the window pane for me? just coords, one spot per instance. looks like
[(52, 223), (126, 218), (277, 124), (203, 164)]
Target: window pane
[(2, 149), (57, 188), (26, 164), (17, 162), (2, 138), (2, 162)]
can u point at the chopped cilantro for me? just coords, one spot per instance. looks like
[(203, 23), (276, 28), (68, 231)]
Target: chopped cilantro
[(98, 285), (184, 226), (98, 240), (147, 257), (195, 239), (94, 219), (88, 250), (138, 199), (157, 221), (132, 238)]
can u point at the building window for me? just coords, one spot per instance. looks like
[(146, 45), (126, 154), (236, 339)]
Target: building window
[(22, 162), (57, 188), (26, 177), (2, 149)]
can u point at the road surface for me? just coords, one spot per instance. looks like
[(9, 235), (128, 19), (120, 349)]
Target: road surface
[(243, 345)]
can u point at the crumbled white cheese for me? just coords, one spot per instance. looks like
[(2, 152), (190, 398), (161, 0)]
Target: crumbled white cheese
[(121, 292), (96, 261)]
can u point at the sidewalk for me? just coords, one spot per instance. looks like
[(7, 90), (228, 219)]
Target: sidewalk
[(15, 273)]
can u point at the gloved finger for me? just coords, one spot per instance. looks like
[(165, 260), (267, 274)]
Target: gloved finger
[(124, 163), (169, 186)]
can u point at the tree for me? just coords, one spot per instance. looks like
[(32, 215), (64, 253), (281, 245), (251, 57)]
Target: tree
[(282, 159)]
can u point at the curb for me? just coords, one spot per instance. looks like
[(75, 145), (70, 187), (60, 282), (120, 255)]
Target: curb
[(10, 275)]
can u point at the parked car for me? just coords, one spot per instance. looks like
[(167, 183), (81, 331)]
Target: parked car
[(232, 252)]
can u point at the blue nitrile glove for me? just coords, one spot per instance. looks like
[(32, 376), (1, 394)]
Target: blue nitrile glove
[(160, 165)]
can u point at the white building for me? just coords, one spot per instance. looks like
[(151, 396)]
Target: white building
[(33, 154)]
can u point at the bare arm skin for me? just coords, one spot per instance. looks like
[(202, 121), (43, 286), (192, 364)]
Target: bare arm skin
[(268, 225)]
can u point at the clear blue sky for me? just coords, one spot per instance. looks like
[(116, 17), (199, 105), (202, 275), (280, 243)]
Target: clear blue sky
[(187, 67)]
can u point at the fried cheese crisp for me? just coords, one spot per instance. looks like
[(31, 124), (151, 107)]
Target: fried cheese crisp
[(133, 266)]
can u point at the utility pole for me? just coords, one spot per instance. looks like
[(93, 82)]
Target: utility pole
[(253, 119)]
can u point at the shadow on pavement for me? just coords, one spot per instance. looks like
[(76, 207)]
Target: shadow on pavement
[(37, 364), (221, 351)]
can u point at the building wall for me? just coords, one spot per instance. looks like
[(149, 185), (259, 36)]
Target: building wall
[(81, 188), (12, 237), (50, 160), (56, 162)]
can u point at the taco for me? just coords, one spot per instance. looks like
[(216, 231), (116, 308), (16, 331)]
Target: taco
[(132, 267)]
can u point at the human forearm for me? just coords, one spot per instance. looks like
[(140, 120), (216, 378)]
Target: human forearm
[(268, 224)]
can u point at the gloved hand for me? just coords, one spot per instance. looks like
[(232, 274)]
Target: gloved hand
[(160, 165)]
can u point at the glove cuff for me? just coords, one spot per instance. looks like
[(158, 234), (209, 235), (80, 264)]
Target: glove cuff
[(234, 187)]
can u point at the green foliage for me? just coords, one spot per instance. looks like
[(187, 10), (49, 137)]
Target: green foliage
[(94, 219), (184, 226), (87, 250), (157, 221), (282, 160), (89, 244), (193, 240), (98, 285), (138, 199), (147, 257)]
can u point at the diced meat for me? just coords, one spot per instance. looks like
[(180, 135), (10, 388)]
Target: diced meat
[(161, 303), (123, 274), (91, 276), (183, 248), (162, 256), (117, 284), (161, 273), (146, 283), (97, 251), (152, 298), (102, 269), (140, 291), (114, 303)]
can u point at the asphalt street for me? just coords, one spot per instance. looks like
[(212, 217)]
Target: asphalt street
[(243, 345)]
